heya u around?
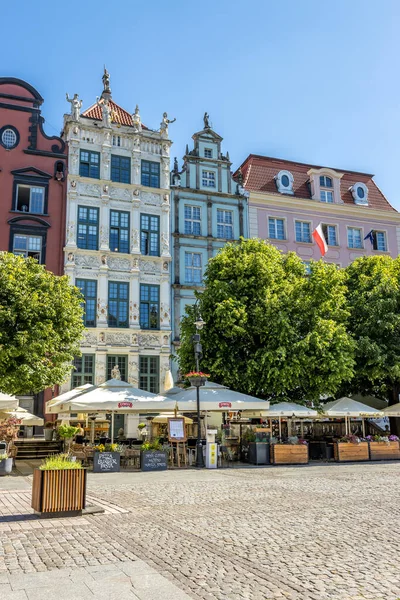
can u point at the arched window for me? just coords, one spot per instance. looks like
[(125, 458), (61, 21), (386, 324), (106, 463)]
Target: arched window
[(359, 191), (284, 182)]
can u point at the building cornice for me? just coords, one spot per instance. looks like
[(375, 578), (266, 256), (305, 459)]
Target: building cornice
[(261, 200)]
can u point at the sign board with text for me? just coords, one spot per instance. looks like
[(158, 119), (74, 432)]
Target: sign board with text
[(176, 430)]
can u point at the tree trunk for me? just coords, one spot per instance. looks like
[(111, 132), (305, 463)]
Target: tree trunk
[(394, 399)]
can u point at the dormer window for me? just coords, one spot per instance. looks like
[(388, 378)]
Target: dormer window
[(359, 191), (208, 152), (284, 182), (326, 189)]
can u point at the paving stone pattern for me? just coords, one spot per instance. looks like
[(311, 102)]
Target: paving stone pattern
[(304, 533)]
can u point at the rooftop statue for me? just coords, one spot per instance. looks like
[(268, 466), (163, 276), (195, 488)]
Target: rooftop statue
[(76, 106)]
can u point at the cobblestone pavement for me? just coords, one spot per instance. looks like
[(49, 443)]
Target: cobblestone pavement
[(302, 533)]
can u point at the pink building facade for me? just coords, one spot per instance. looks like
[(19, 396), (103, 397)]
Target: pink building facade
[(288, 200)]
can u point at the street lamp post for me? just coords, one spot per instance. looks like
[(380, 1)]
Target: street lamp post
[(198, 383)]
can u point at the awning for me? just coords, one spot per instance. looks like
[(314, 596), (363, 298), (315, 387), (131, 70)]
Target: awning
[(290, 409), (26, 417), (81, 389), (8, 402)]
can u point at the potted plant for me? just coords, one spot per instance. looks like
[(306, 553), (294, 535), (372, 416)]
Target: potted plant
[(351, 448), (59, 487), (5, 464), (142, 430), (67, 434), (383, 447), (107, 458), (48, 431), (197, 378), (153, 457), (294, 451)]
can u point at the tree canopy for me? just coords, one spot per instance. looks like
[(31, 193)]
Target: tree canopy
[(40, 326), (374, 303), (271, 331)]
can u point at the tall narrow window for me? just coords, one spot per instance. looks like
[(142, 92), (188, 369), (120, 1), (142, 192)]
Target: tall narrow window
[(28, 246), (116, 140), (83, 371), (30, 199), (149, 374), (379, 241), (354, 237), (121, 361), (88, 228), (88, 288), (224, 224), (120, 169), (149, 306), (326, 189), (89, 164), (192, 267), (192, 220), (303, 232), (330, 234), (276, 229), (119, 231), (150, 173), (118, 302), (150, 235), (208, 179)]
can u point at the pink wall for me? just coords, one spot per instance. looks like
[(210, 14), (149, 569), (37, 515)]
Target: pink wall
[(340, 254)]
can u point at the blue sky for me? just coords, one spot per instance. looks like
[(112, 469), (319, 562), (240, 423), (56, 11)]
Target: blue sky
[(306, 80)]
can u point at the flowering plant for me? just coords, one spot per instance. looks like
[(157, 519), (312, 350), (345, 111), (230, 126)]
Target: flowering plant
[(302, 441), (393, 438), (9, 429), (196, 374), (100, 448)]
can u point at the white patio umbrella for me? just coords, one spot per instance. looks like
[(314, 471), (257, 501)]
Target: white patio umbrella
[(114, 396), (392, 411), (81, 389), (26, 417), (8, 402), (215, 398), (347, 408)]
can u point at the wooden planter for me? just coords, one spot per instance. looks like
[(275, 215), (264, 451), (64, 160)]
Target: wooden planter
[(384, 450), (59, 492), (289, 454), (345, 452)]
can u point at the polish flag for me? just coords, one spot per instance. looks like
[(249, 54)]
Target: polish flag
[(320, 240)]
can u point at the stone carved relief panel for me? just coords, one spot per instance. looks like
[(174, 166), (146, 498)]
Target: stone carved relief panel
[(149, 266), (150, 198), (134, 312), (165, 313), (89, 189), (118, 339), (119, 264), (148, 340), (120, 194), (83, 260), (89, 339)]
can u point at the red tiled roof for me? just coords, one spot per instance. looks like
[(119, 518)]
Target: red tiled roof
[(259, 175), (118, 114)]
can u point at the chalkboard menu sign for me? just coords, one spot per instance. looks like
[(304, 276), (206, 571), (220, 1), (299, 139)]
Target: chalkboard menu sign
[(106, 462), (154, 461)]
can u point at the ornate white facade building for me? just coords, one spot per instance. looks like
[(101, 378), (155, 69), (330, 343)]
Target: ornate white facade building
[(117, 241)]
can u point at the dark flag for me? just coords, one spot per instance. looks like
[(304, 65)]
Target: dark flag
[(370, 236)]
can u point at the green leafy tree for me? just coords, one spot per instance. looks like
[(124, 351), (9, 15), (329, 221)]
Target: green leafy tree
[(40, 326), (374, 302), (271, 331)]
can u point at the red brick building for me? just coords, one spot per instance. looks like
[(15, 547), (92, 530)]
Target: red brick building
[(32, 187)]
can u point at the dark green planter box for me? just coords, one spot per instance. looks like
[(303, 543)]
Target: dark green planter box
[(258, 453)]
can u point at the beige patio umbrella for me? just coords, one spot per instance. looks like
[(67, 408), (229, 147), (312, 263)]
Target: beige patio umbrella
[(290, 409), (8, 402), (163, 418), (347, 408), (27, 418)]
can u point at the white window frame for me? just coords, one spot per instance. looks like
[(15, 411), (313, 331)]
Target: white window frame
[(356, 197), (324, 193), (193, 269), (6, 132), (208, 179), (302, 235), (360, 229), (225, 224), (327, 235), (284, 189), (384, 233), (25, 253), (31, 188), (208, 151), (276, 229), (116, 141), (191, 220)]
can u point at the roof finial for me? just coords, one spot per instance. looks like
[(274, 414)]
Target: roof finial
[(106, 82), (206, 121)]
